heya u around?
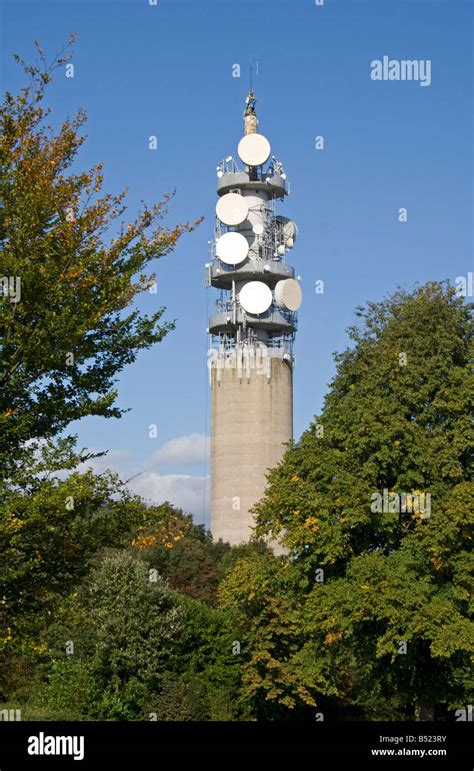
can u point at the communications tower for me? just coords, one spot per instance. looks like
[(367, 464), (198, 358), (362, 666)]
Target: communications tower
[(251, 331)]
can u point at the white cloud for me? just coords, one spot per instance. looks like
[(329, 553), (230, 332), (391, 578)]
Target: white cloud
[(190, 493), (184, 450), (187, 492)]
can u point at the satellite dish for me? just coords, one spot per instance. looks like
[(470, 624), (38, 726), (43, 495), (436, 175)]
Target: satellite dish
[(289, 229), (258, 229), (288, 295), (232, 248), (232, 209), (254, 149), (255, 297)]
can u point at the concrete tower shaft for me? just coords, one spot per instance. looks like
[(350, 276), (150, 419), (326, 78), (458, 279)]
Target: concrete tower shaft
[(251, 421)]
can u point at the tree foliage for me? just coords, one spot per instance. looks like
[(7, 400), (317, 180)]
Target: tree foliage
[(182, 552), (125, 645), (369, 581), (80, 267), (70, 272), (124, 629)]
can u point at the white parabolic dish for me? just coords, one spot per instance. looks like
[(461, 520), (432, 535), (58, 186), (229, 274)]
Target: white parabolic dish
[(232, 248), (289, 228), (232, 209), (254, 149), (255, 297), (288, 294)]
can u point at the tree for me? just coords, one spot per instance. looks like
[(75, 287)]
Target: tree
[(48, 536), (125, 630), (124, 645), (205, 681), (50, 603), (375, 505), (70, 272), (181, 551), (66, 327), (260, 595)]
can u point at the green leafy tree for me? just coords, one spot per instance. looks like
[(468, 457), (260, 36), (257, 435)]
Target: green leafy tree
[(78, 268), (140, 649), (182, 552), (385, 592), (125, 629), (204, 682), (259, 594), (70, 271), (49, 536)]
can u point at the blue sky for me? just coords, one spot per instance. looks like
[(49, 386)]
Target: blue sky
[(166, 70)]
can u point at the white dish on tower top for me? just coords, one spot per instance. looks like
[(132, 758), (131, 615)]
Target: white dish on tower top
[(254, 149), (232, 209), (232, 248), (258, 229), (288, 294), (255, 297)]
